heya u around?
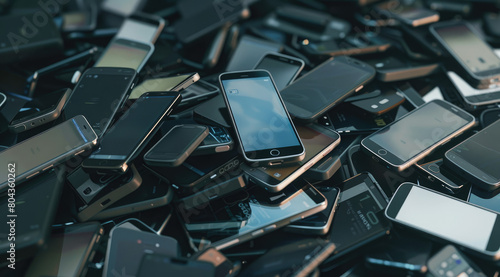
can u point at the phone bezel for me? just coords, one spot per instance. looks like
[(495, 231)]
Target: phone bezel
[(285, 60)]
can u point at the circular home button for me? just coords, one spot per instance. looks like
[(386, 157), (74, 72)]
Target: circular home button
[(274, 152), (434, 168), (382, 152)]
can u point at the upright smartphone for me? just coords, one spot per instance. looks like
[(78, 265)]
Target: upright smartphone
[(264, 129), (137, 54), (473, 97), (481, 66), (412, 15), (99, 94), (68, 251), (120, 144), (171, 83), (155, 264), (283, 68), (40, 110), (325, 87), (176, 145), (407, 140), (45, 150), (318, 142), (450, 259), (141, 27), (477, 158), (477, 229)]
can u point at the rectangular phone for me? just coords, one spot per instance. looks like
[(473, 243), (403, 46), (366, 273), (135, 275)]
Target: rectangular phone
[(477, 157), (171, 83), (198, 92), (472, 97), (318, 142), (413, 136), (119, 145), (481, 66), (318, 224), (377, 101), (176, 145), (249, 51), (68, 251), (476, 230), (412, 15), (435, 172), (283, 68), (99, 94), (264, 129), (40, 110), (315, 93), (356, 43), (218, 140), (32, 224), (155, 264), (121, 7), (137, 54), (45, 150), (449, 259), (250, 213), (141, 27)]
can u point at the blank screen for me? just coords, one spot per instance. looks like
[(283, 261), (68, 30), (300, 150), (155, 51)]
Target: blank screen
[(282, 72), (116, 53)]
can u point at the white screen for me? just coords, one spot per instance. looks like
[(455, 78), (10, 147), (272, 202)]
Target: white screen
[(447, 218), (137, 31)]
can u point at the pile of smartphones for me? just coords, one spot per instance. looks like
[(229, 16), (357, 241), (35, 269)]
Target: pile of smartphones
[(249, 138)]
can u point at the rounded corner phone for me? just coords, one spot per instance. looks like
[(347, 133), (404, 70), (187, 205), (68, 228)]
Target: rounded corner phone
[(326, 86), (476, 229), (263, 126), (471, 96), (482, 65), (137, 54), (169, 83), (413, 136), (283, 68)]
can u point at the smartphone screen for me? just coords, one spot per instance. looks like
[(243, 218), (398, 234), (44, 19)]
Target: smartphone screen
[(283, 68), (137, 30), (136, 52), (159, 84), (263, 125)]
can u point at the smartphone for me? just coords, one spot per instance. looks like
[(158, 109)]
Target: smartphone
[(218, 140), (489, 116), (39, 111), (154, 264), (122, 8), (481, 66), (450, 261), (249, 51), (476, 230), (283, 68), (318, 142), (171, 83), (223, 266), (318, 224), (45, 150), (126, 247), (141, 27), (82, 19), (357, 43), (32, 224), (99, 94), (377, 101), (213, 112), (412, 15), (408, 139), (446, 178), (68, 251), (476, 158), (197, 92), (137, 54), (314, 93), (176, 145), (474, 98), (264, 129), (119, 146)]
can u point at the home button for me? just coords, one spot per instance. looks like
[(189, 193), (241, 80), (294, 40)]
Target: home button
[(274, 152), (382, 152)]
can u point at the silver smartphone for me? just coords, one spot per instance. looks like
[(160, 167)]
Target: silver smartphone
[(45, 150), (136, 53), (474, 97)]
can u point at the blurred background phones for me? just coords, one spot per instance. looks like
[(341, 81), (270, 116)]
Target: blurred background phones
[(283, 68), (249, 51), (141, 27), (122, 8), (450, 259), (412, 13), (137, 54), (358, 43), (154, 264), (474, 98), (170, 83)]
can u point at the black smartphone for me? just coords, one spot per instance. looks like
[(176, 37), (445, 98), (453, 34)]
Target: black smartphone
[(40, 110), (265, 131), (68, 251), (249, 51), (413, 15), (489, 116), (176, 145), (218, 140), (474, 98), (406, 208), (283, 68), (45, 150), (213, 112), (137, 54), (319, 224), (357, 43), (99, 94), (197, 93), (318, 142), (119, 146), (32, 225), (450, 259), (477, 157), (482, 66), (377, 101), (435, 172), (170, 83), (141, 27), (407, 140), (155, 264), (314, 93)]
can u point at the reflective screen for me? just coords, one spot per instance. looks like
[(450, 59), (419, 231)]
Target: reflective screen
[(137, 31), (121, 55), (433, 213), (157, 84), (261, 120), (412, 134), (282, 72), (471, 50), (40, 105)]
